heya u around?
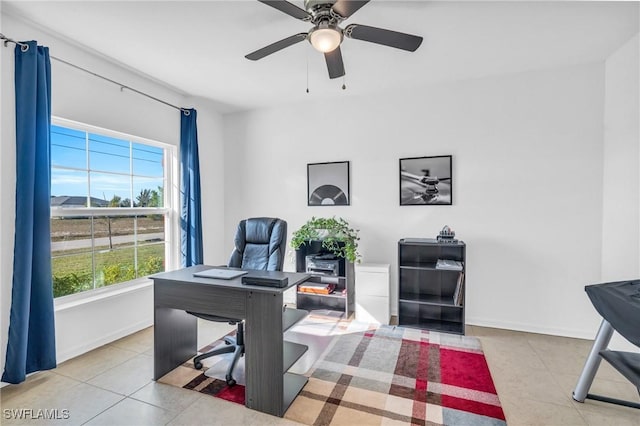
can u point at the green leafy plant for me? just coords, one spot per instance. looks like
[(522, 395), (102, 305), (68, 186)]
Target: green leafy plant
[(71, 283), (152, 265), (115, 273), (111, 274), (336, 235)]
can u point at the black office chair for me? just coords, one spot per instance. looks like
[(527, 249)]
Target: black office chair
[(260, 244)]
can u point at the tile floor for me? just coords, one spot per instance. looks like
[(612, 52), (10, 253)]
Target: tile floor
[(534, 374)]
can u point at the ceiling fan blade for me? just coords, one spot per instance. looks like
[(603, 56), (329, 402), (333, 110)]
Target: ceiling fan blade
[(278, 45), (386, 37), (346, 8), (288, 8), (334, 63)]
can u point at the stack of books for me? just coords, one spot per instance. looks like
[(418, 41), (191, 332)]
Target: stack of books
[(458, 295), (317, 288)]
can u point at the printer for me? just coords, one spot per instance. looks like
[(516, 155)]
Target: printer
[(324, 264)]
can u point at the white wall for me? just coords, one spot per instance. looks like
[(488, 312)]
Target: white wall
[(621, 178), (7, 188), (81, 97), (621, 181), (210, 147), (527, 168)]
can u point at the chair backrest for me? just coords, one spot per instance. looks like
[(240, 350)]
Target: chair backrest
[(260, 244)]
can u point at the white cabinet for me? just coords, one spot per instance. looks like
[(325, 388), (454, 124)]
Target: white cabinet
[(372, 292)]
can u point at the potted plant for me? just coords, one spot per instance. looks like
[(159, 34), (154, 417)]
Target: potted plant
[(335, 235)]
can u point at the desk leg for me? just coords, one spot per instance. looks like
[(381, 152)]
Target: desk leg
[(593, 361), (264, 353), (175, 339)]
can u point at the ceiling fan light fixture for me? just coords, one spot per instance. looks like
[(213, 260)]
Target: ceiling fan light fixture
[(325, 38)]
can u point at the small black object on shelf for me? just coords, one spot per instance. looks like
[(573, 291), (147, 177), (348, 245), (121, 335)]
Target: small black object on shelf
[(447, 235), (279, 282)]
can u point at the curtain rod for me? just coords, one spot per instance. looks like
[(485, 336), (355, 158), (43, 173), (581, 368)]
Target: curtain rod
[(24, 47), (122, 86)]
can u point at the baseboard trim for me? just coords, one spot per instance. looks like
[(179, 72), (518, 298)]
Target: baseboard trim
[(528, 328), (103, 340)]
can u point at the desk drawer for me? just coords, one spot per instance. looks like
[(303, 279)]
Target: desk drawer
[(200, 298)]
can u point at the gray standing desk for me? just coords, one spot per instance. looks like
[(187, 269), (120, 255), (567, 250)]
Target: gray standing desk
[(619, 305), (269, 388)]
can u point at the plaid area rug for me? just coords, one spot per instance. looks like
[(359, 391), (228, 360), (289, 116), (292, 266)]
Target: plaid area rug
[(395, 375), (380, 376)]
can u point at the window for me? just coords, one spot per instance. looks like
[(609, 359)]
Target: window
[(111, 207)]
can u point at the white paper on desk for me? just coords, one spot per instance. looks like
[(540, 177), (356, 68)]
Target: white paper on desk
[(221, 274)]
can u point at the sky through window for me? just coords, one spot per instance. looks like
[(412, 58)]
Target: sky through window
[(104, 167)]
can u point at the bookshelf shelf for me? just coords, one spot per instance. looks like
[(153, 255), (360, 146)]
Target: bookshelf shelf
[(429, 299), (330, 295), (429, 296)]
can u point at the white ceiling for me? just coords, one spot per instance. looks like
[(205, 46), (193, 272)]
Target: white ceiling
[(198, 47)]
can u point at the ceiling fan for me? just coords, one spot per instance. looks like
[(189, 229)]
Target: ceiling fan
[(326, 34)]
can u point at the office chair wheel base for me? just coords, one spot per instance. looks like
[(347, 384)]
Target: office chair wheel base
[(197, 365)]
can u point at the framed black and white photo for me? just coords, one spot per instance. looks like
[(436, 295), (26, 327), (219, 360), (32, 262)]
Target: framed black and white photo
[(328, 184), (426, 181)]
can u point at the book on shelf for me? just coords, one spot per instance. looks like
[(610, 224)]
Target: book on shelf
[(317, 288), (459, 291), (420, 240), (449, 265)]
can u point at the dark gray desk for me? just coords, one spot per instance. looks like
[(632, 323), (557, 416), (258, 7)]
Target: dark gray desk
[(269, 388)]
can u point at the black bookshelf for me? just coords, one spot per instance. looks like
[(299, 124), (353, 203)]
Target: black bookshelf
[(431, 295), (343, 297)]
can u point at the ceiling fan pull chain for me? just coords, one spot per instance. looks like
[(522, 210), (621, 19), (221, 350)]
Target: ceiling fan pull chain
[(344, 82), (307, 72)]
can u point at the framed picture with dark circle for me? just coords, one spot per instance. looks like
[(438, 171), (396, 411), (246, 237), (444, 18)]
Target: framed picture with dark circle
[(328, 184), (426, 181)]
